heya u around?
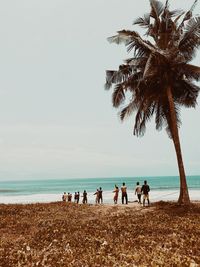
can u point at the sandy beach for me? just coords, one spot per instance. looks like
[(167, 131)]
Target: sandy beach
[(67, 234)]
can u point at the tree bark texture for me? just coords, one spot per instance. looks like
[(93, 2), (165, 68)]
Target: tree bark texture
[(184, 194)]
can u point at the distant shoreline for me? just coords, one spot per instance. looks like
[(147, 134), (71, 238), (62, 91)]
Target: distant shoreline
[(104, 177), (104, 206), (155, 196)]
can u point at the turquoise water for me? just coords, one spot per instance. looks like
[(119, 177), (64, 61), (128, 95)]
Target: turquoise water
[(57, 186)]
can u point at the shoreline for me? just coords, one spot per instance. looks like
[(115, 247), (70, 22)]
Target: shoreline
[(155, 196), (132, 204)]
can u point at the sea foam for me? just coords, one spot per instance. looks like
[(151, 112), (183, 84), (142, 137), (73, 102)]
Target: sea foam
[(155, 195)]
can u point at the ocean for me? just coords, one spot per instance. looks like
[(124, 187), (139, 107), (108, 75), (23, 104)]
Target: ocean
[(33, 191)]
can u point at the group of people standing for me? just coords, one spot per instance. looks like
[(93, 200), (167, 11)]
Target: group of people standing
[(139, 191), (124, 194), (99, 196), (142, 190), (68, 197)]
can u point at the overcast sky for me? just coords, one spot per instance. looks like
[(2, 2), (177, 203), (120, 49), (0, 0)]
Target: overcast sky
[(56, 119)]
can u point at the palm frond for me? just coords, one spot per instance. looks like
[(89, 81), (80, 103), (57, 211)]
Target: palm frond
[(188, 48), (144, 114), (133, 81), (143, 21), (188, 15), (140, 45), (133, 41), (159, 117), (148, 67), (166, 5), (169, 128), (129, 109), (120, 38), (123, 36), (109, 78), (192, 28), (189, 71), (177, 111), (191, 38), (157, 8), (176, 12), (118, 95), (137, 62), (178, 17), (193, 6), (186, 93), (114, 77)]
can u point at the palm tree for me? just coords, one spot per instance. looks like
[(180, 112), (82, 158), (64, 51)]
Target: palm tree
[(158, 75)]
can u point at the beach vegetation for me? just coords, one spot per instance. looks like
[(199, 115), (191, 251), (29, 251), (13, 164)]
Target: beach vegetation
[(158, 75), (66, 234)]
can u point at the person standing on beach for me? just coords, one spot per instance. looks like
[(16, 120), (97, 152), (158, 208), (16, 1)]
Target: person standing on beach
[(64, 197), (145, 190), (116, 191), (124, 193), (138, 191), (69, 197), (97, 196), (84, 197), (77, 197), (100, 195)]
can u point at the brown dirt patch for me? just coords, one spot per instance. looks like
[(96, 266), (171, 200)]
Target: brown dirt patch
[(66, 235)]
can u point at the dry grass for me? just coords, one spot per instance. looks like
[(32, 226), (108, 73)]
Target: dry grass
[(66, 235)]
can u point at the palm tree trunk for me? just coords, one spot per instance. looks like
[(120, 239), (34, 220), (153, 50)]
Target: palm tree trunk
[(184, 195)]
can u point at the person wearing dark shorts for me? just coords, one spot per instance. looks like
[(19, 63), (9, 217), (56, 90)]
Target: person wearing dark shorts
[(124, 193), (77, 197), (84, 197), (100, 195), (145, 191)]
